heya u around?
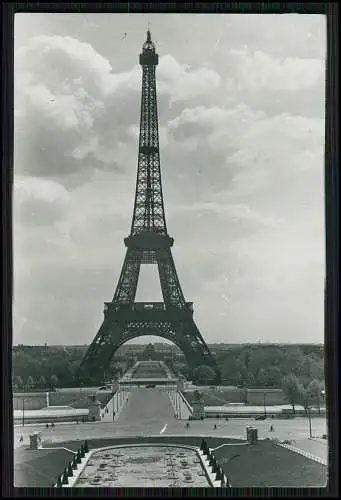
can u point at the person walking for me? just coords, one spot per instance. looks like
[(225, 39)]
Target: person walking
[(21, 440)]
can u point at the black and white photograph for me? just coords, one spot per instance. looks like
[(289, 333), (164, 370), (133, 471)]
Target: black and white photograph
[(169, 241)]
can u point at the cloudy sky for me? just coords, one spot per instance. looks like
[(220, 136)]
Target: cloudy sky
[(241, 111)]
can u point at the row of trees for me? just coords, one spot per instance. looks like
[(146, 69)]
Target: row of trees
[(259, 366), (266, 366), (242, 365), (309, 395), (36, 363), (29, 384)]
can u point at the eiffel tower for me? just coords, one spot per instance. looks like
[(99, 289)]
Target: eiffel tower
[(148, 243)]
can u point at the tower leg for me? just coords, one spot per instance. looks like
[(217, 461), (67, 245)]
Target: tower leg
[(98, 357), (196, 352)]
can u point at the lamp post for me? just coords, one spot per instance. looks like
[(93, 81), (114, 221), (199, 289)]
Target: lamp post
[(264, 404), (309, 416), (323, 401), (23, 405)]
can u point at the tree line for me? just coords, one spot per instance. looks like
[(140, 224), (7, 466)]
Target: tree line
[(248, 366), (258, 366), (309, 395), (41, 367), (30, 384), (267, 365)]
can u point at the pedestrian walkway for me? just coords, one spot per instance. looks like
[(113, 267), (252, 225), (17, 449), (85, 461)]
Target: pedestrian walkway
[(304, 453), (147, 405), (313, 447)]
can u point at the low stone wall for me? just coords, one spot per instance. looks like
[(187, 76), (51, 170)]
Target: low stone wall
[(76, 399), (216, 473), (236, 395), (48, 416), (212, 441), (72, 469)]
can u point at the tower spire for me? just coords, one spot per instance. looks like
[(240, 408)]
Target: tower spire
[(148, 45), (149, 213)]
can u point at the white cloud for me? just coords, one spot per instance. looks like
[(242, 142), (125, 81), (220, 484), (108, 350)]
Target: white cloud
[(231, 213), (182, 82), (74, 114), (26, 188), (242, 168), (49, 56), (259, 151), (254, 70), (212, 116)]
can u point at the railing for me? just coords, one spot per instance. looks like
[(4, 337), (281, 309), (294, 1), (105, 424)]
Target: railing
[(306, 454), (186, 402), (147, 306), (154, 306)]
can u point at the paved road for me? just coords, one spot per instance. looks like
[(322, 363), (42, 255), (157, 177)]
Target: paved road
[(149, 406), (296, 429)]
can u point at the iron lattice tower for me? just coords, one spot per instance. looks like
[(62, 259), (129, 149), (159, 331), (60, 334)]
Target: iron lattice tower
[(148, 243)]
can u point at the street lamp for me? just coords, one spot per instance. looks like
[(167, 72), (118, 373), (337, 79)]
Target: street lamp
[(308, 406), (323, 394), (309, 416), (23, 406), (264, 404)]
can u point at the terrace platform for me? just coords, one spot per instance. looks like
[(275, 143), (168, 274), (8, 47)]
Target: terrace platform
[(137, 465)]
